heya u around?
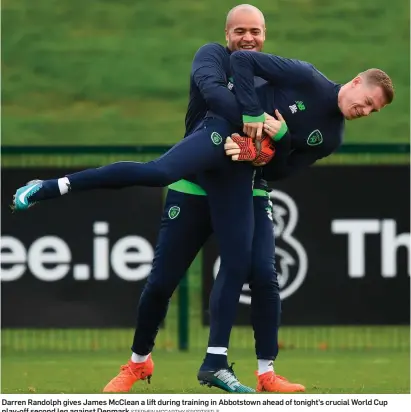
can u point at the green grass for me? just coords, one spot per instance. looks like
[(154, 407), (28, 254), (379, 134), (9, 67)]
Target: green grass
[(116, 72), (371, 372), (395, 338)]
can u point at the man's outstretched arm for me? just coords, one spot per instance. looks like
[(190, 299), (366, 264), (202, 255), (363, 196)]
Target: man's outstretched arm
[(275, 69)]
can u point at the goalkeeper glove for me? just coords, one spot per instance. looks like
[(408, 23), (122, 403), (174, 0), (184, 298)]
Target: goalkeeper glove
[(240, 148), (245, 149), (265, 151)]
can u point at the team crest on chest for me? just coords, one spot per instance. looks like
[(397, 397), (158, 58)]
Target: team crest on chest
[(315, 138)]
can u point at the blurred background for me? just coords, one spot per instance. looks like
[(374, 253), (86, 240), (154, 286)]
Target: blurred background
[(86, 83)]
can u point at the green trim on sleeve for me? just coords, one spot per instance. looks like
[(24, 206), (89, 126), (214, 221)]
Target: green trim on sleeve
[(283, 130), (253, 119)]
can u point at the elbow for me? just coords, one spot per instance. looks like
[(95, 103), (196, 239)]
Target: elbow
[(238, 55), (212, 100), (241, 60), (235, 54), (211, 91), (215, 98)]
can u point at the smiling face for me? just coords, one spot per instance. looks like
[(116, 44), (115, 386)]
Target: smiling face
[(245, 29), (367, 93), (362, 99)]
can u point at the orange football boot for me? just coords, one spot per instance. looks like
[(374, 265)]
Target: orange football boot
[(129, 374), (270, 382)]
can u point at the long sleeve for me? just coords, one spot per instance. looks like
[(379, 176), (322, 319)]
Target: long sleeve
[(211, 79), (279, 162), (277, 70)]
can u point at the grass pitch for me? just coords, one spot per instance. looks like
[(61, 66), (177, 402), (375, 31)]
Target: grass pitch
[(321, 371), (77, 72)]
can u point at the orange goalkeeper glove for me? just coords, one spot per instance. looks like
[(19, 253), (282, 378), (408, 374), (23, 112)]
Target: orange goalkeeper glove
[(247, 152), (242, 148), (265, 150)]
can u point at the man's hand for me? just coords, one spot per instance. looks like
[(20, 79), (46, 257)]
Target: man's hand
[(265, 151), (254, 130), (243, 149), (240, 148), (272, 125)]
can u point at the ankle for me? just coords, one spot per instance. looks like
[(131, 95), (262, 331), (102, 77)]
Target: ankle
[(136, 358), (265, 365)]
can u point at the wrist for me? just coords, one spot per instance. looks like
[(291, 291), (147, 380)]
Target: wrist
[(253, 119), (280, 134)]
